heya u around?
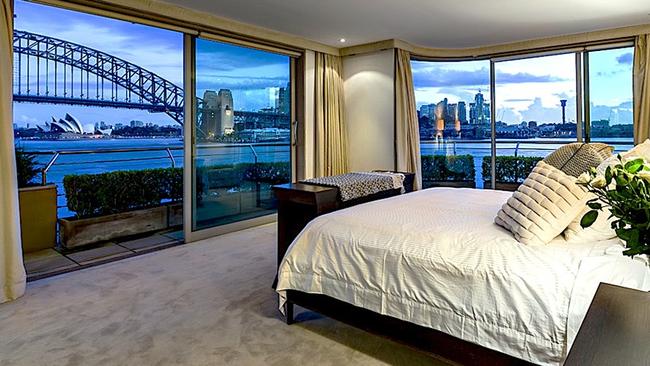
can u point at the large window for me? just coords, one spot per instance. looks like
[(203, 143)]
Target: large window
[(539, 105), (453, 102), (610, 97), (242, 132)]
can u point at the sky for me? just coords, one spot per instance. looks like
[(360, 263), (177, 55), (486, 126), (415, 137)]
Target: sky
[(252, 75), (530, 89)]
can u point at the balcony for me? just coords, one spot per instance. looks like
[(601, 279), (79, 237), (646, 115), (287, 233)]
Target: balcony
[(116, 203)]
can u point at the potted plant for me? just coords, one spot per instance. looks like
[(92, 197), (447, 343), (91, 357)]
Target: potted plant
[(120, 204), (623, 191), (37, 205)]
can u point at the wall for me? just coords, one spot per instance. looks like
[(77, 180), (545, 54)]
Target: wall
[(369, 109)]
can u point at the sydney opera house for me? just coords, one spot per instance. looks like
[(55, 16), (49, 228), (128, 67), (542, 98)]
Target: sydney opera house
[(68, 124)]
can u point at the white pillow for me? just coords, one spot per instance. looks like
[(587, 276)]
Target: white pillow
[(641, 150), (601, 229), (543, 206)]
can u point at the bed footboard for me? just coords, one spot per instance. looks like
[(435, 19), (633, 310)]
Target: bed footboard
[(424, 339)]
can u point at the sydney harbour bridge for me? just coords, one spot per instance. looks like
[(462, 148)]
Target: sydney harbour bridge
[(50, 70)]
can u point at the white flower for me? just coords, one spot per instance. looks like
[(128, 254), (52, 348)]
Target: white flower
[(598, 182), (584, 178), (644, 174)]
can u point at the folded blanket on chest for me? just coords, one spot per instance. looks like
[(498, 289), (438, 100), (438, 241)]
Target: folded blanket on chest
[(360, 184)]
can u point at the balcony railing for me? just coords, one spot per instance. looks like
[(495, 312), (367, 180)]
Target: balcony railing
[(449, 162), (59, 163)]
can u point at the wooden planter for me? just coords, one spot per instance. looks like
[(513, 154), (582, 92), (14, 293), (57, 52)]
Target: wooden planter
[(453, 184), (78, 232), (37, 217), (503, 186)]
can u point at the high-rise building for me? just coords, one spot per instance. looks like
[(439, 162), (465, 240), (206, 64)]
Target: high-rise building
[(479, 111), (217, 116), (283, 103), (462, 112)]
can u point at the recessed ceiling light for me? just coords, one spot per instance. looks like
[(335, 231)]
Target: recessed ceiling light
[(342, 40)]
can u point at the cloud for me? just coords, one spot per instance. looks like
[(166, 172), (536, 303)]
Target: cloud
[(216, 82), (515, 100), (625, 59), (442, 77), (224, 57)]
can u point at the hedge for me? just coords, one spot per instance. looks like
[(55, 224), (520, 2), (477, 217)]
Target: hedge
[(452, 168), (509, 169), (90, 195)]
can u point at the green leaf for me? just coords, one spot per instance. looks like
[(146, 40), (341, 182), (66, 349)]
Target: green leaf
[(594, 205), (634, 166), (589, 218)]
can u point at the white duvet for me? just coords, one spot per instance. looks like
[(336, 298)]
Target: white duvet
[(436, 258)]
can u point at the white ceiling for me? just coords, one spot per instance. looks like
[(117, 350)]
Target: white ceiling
[(431, 23)]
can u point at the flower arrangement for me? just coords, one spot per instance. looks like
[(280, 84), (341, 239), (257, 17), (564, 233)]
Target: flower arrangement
[(624, 192)]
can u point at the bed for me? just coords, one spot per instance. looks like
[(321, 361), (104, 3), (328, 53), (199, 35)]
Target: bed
[(435, 258)]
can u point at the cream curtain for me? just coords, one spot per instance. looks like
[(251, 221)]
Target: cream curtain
[(407, 134), (12, 272), (331, 133), (641, 88)]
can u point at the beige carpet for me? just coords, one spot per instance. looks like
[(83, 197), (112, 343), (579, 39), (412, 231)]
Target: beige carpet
[(207, 303)]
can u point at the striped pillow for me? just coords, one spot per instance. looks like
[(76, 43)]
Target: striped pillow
[(543, 206)]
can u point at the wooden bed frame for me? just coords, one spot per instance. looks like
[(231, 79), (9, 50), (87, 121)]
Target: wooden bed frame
[(424, 339)]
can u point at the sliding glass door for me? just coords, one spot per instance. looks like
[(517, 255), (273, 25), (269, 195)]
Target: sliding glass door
[(241, 132)]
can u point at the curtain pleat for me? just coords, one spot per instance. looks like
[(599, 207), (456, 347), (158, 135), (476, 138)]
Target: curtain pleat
[(407, 134), (12, 272), (331, 133), (641, 88)]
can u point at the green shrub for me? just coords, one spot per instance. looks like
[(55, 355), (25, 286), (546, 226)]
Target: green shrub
[(509, 169), (454, 168), (271, 173), (91, 195), (107, 193)]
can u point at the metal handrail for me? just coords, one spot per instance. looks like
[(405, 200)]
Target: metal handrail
[(56, 154)]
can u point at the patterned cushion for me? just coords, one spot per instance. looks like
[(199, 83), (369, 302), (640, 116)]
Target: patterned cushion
[(360, 184), (576, 158), (543, 206)]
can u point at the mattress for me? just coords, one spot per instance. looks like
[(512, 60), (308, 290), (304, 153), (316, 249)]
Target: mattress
[(435, 258)]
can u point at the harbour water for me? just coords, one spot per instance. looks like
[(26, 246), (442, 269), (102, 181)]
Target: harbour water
[(155, 154)]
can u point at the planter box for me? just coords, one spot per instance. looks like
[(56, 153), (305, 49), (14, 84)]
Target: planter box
[(174, 215), (503, 186), (78, 232), (37, 217), (453, 184)]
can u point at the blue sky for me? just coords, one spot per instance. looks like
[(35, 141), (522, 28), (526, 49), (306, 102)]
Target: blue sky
[(531, 89), (252, 75)]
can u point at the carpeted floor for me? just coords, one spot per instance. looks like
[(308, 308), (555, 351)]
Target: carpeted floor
[(207, 303)]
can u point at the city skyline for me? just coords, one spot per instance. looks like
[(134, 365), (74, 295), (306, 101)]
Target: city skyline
[(531, 89)]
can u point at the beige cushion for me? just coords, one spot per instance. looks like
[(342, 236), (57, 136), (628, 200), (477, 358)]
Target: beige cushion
[(576, 158), (543, 206), (601, 229), (641, 150)]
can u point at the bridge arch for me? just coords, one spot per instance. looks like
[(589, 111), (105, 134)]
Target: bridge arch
[(153, 93)]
